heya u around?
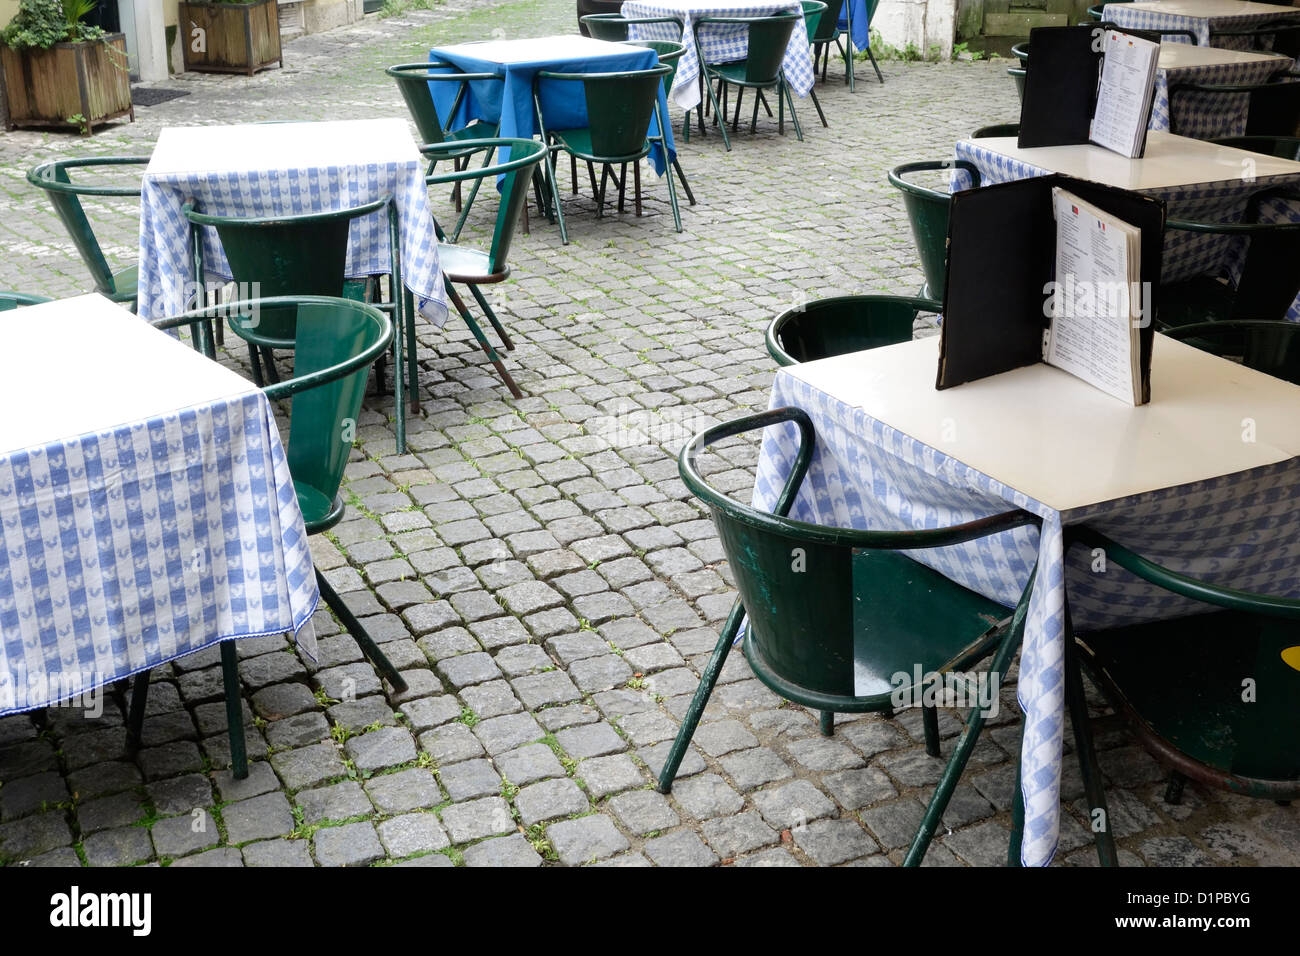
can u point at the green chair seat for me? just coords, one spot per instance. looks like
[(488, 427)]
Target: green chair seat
[(125, 282), (476, 130), (319, 511), (1156, 673), (579, 143), (461, 264), (18, 300)]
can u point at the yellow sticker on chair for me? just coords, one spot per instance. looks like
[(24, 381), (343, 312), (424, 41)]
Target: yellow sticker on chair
[(1291, 657)]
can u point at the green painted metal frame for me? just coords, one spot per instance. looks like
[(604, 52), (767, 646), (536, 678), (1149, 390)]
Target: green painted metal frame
[(1271, 346), (927, 211), (1287, 120), (616, 105), (613, 26), (361, 347), (413, 82), (525, 155), (16, 300), (65, 196), (840, 324)]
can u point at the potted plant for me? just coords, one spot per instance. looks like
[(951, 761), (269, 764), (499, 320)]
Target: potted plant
[(61, 72), (230, 36)]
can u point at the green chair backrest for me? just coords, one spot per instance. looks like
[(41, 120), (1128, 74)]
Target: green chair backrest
[(413, 81), (997, 129), (338, 340), (927, 210), (1018, 74), (821, 28), (1021, 52), (1287, 147), (801, 621), (65, 195), (1269, 280), (286, 256), (516, 177), (768, 38), (848, 323), (1268, 346), (14, 300), (614, 26), (619, 107), (669, 54), (1273, 108)]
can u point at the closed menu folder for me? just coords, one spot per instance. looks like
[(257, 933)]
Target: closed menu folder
[(1088, 84), (1052, 269)]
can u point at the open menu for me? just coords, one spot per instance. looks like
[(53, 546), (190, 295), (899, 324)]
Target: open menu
[(1095, 315), (1052, 269), (1087, 84)]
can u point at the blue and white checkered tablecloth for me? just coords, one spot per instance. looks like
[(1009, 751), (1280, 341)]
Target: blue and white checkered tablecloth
[(721, 43), (868, 475), (1209, 115), (126, 548), (1124, 15), (1186, 255), (166, 269)]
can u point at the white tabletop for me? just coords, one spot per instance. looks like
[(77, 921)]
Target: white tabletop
[(1214, 8), (1175, 56), (1170, 161), (262, 146), (536, 49), (1064, 443), (113, 369)]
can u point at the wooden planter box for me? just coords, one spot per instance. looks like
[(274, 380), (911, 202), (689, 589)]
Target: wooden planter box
[(231, 37), (45, 87)]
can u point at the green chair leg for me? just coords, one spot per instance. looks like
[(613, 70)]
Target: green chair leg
[(1076, 703), (826, 723), (794, 116), (930, 723), (412, 359), (555, 194), (969, 736), (713, 99), (359, 634), (701, 699), (685, 185), (469, 202), (817, 103), (492, 318), (483, 342), (135, 717), (875, 65), (234, 711)]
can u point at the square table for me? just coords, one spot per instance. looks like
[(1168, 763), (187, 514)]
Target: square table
[(1205, 480), (268, 169), (1202, 17), (564, 106), (146, 506), (1198, 180), (1209, 115), (721, 43)]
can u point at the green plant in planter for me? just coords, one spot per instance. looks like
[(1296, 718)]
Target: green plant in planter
[(39, 24)]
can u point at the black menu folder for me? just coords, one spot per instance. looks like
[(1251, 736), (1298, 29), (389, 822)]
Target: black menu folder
[(1088, 84), (1002, 258)]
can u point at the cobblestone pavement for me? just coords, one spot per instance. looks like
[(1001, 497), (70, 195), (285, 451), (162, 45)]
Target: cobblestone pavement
[(536, 568)]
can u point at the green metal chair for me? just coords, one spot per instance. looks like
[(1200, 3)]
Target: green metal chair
[(619, 109), (823, 30), (336, 342), (846, 323), (1180, 683), (1268, 282), (927, 210), (413, 81), (669, 54), (16, 300), (1273, 108), (1277, 36), (760, 70), (1018, 75), (997, 129), (855, 612), (1286, 147), (473, 267), (65, 195), (1268, 346), (613, 26)]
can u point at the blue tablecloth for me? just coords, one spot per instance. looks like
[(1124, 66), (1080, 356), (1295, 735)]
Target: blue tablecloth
[(861, 22), (564, 106)]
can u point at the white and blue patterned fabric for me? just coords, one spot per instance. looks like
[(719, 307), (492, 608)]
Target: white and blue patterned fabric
[(166, 268), (126, 548), (564, 104), (1209, 115), (1239, 529), (1124, 15), (1186, 255), (721, 43)]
